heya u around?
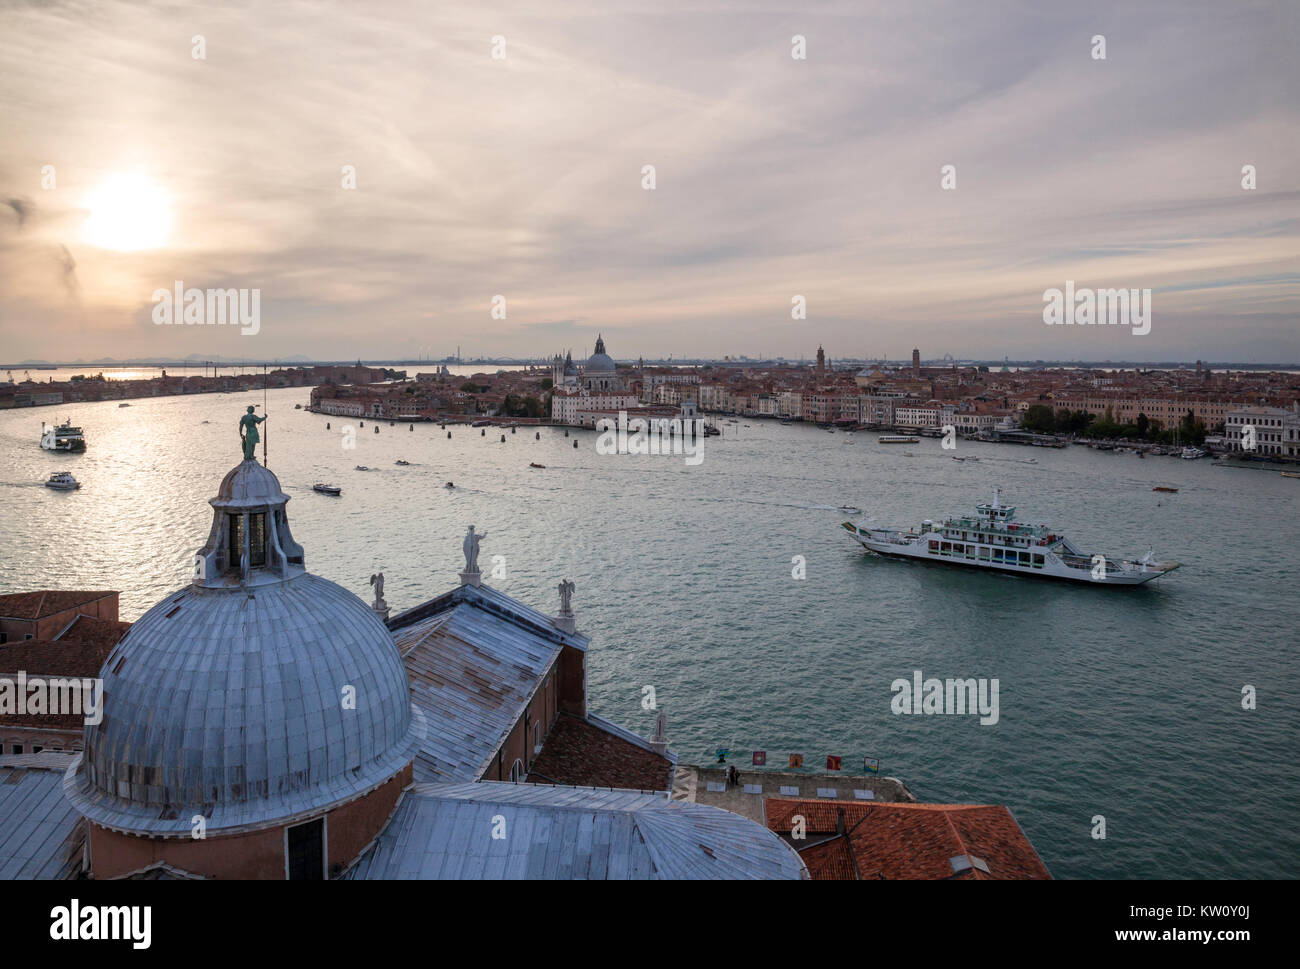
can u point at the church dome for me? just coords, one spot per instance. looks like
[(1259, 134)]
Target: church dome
[(600, 361), (257, 693), (249, 482)]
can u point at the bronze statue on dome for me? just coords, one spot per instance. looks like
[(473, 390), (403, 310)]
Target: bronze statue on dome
[(248, 433)]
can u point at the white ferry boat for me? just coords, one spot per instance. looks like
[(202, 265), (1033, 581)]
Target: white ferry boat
[(993, 540), (897, 439), (65, 437)]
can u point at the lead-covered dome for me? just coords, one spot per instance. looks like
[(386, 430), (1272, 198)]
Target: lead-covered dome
[(600, 361), (255, 694)]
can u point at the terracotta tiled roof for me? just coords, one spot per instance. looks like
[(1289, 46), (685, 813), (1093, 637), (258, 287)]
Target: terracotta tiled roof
[(830, 861), (914, 841), (580, 753), (43, 657), (62, 658), (88, 629), (37, 605)]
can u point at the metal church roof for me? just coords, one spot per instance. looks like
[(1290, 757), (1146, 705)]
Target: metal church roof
[(230, 704), (474, 657), (41, 833), (443, 831)]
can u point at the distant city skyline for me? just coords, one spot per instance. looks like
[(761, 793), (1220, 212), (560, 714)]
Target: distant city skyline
[(379, 177)]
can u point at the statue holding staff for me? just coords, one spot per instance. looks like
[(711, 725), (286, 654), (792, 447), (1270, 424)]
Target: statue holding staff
[(248, 433)]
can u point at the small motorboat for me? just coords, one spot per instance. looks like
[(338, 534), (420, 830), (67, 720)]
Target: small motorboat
[(850, 510), (1172, 491), (362, 467), (326, 489), (534, 464), (63, 481), (449, 485), (123, 404), (297, 406), (402, 463), (1289, 474)]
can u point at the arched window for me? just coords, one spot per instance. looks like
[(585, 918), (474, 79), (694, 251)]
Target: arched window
[(537, 737), (517, 771)]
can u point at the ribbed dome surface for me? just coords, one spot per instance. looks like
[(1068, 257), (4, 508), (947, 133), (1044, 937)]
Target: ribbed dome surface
[(230, 705), (249, 483), (600, 363)]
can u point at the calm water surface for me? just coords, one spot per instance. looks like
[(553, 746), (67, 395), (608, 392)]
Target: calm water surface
[(1123, 703)]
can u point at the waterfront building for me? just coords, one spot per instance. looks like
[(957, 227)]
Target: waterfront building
[(931, 414), (714, 397), (1277, 430), (789, 404), (577, 408), (1164, 412), (347, 406), (651, 382)]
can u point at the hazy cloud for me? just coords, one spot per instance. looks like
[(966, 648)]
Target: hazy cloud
[(775, 177)]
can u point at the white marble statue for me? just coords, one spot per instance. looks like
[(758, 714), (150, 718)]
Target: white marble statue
[(566, 588), (377, 580), (470, 547)]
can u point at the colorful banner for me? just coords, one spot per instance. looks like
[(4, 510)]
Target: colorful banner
[(760, 758), (833, 762), (871, 765), (796, 760)]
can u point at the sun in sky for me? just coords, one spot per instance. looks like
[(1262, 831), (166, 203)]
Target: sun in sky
[(127, 212)]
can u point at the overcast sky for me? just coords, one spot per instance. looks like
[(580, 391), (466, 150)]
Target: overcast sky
[(774, 176)]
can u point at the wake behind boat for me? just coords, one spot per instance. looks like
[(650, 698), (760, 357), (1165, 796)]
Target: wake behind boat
[(992, 540)]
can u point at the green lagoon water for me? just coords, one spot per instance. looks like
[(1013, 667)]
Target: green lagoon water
[(1124, 703)]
